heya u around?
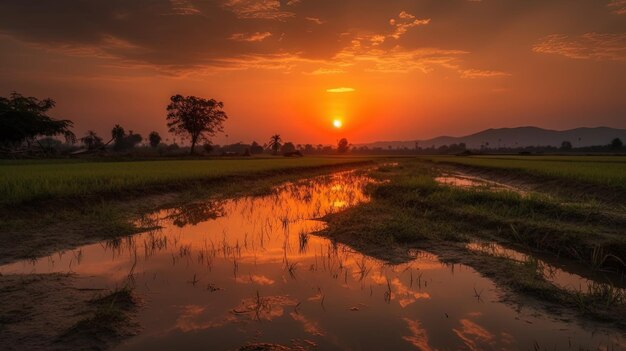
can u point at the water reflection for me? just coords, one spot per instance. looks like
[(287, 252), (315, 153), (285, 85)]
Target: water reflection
[(222, 274), (558, 276), (468, 181)]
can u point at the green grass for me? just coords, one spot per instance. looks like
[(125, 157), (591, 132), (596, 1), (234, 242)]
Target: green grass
[(605, 171), (29, 181)]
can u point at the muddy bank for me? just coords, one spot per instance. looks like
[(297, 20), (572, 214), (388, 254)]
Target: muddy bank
[(50, 312)]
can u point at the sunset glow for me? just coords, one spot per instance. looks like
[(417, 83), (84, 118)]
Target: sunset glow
[(400, 70), (337, 123)]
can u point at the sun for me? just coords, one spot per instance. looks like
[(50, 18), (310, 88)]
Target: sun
[(337, 123)]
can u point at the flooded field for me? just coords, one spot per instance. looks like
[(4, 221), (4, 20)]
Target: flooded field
[(223, 274), (468, 181)]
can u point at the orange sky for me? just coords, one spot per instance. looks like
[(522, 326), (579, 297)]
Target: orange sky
[(417, 69)]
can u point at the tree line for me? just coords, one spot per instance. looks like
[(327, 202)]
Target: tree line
[(614, 146), (26, 128)]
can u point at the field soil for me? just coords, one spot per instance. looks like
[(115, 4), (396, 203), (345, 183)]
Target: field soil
[(46, 311)]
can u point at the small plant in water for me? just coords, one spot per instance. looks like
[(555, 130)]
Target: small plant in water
[(304, 241)]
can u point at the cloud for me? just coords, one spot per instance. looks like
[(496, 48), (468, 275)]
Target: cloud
[(618, 6), (377, 39), (314, 20), (589, 46), (283, 62), (258, 9), (340, 90), (404, 22), (106, 47), (206, 36), (257, 36), (184, 8), (477, 73), (396, 59), (418, 336), (323, 71), (474, 336)]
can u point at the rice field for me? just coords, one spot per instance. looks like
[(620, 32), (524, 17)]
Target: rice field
[(31, 180), (607, 171)]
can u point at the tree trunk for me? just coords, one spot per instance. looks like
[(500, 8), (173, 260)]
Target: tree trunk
[(193, 145)]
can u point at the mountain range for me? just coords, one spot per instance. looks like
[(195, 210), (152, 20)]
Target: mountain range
[(516, 137)]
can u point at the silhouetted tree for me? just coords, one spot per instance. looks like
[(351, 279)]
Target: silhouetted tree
[(122, 140), (255, 148), (616, 144), (566, 146), (131, 140), (343, 146), (50, 143), (288, 147), (117, 133), (117, 136), (92, 140), (208, 148), (196, 117), (308, 148), (23, 119), (155, 139), (275, 143)]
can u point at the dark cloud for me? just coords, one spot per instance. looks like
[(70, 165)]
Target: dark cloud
[(332, 35)]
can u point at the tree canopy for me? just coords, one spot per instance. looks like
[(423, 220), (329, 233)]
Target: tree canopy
[(155, 139), (275, 143), (122, 140), (288, 147), (195, 117), (92, 140), (566, 146), (343, 146), (616, 144), (23, 119)]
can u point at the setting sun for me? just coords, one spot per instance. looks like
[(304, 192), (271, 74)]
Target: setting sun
[(337, 123)]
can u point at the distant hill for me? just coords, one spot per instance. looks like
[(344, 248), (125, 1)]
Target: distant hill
[(516, 137)]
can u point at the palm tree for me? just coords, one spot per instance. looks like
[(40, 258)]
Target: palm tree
[(275, 143), (118, 133)]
